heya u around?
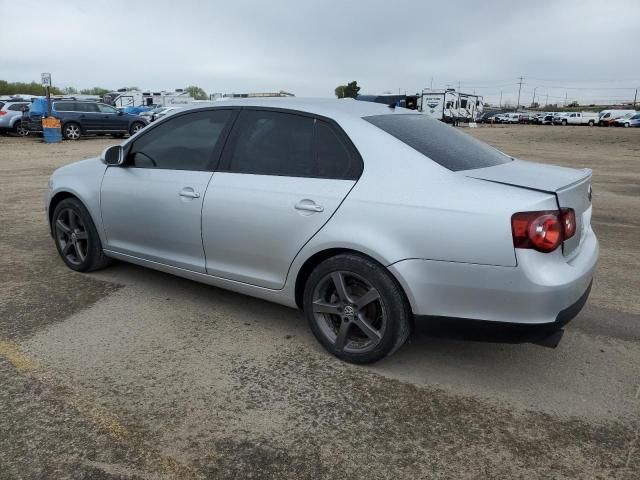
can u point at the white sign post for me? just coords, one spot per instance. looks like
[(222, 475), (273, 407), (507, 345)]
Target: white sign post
[(46, 80), (46, 83)]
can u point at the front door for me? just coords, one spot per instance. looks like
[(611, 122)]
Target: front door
[(111, 120), (151, 206), (283, 176)]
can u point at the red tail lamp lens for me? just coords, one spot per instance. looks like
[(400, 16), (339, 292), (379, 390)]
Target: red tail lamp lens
[(543, 231), (568, 222)]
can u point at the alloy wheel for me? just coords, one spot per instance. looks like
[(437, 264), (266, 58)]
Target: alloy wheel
[(72, 132), (21, 130), (136, 128), (349, 311), (72, 236)]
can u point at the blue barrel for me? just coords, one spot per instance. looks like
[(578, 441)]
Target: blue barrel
[(52, 135)]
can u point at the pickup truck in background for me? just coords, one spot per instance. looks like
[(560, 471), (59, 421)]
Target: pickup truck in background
[(578, 118)]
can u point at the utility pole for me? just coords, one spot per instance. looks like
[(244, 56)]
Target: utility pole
[(534, 97), (458, 86), (635, 99), (431, 86), (500, 104), (565, 99), (546, 101), (519, 90)]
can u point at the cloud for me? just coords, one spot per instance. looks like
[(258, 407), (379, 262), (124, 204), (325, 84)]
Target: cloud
[(309, 47)]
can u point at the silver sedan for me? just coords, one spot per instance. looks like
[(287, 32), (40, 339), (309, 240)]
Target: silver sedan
[(366, 217)]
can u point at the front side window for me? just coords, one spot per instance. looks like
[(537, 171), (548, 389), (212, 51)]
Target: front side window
[(106, 108), (186, 142), (441, 143)]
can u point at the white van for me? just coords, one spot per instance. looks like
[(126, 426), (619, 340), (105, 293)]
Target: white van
[(607, 117)]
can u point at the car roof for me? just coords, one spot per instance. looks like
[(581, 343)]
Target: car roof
[(326, 107)]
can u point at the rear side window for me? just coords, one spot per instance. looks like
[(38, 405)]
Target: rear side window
[(291, 145), (186, 142), (16, 107), (440, 142), (64, 106), (86, 107)]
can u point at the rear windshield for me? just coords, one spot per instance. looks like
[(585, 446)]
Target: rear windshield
[(440, 142)]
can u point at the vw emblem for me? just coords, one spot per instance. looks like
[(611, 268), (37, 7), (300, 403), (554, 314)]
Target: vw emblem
[(349, 312)]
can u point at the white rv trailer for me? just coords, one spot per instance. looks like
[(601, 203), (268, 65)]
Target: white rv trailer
[(137, 98), (448, 104), (440, 104)]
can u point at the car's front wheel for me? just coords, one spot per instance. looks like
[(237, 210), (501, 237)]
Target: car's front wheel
[(356, 309), (71, 131), (136, 127), (627, 125), (76, 237)]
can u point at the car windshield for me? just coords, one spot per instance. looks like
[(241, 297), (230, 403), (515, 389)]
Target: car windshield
[(441, 143)]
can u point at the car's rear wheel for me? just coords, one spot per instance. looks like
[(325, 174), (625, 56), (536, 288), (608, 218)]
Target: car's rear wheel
[(76, 237), (21, 129), (71, 131), (591, 123), (627, 125), (136, 127), (356, 309), (564, 122)]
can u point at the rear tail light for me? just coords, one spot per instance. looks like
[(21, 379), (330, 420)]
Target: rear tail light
[(2, 113), (543, 231)]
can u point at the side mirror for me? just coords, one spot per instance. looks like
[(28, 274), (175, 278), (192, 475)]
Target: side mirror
[(113, 156)]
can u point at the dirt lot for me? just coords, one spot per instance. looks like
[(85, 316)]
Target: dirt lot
[(130, 373)]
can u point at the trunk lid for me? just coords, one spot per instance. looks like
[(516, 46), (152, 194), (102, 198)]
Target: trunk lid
[(572, 188)]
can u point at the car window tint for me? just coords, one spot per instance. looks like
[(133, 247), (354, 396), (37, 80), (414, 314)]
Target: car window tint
[(64, 106), (334, 158), (185, 142), (16, 107), (440, 142), (106, 108), (273, 143), (86, 107)]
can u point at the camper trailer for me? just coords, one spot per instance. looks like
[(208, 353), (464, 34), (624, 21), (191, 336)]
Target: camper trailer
[(440, 104), (137, 98), (471, 107)]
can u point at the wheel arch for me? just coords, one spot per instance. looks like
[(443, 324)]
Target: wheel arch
[(318, 257), (55, 201)]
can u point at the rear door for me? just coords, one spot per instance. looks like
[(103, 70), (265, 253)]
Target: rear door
[(282, 177), (89, 116)]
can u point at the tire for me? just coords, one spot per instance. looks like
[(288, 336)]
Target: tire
[(71, 131), (564, 122), (353, 331), (591, 123), (76, 237), (627, 125), (136, 127), (20, 130)]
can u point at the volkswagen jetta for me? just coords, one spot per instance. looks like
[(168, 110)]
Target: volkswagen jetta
[(364, 216)]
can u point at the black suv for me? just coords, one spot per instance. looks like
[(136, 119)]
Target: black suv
[(79, 118)]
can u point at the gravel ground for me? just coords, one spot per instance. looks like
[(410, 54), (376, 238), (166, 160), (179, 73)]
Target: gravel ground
[(132, 374)]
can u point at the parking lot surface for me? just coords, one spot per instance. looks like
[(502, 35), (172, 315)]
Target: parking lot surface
[(130, 373)]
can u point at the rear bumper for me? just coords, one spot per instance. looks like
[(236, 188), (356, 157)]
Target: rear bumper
[(541, 289)]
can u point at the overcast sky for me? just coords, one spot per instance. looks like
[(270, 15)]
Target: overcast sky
[(309, 47)]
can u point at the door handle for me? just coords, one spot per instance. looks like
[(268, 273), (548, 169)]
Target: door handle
[(309, 206), (189, 193)]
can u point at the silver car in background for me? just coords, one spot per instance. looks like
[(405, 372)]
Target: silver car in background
[(11, 117), (366, 217)]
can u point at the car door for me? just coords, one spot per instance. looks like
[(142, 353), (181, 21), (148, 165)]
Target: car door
[(110, 119), (151, 206), (282, 177)]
